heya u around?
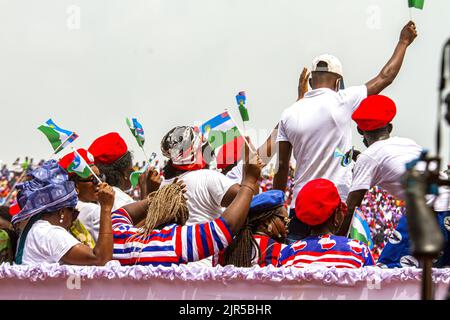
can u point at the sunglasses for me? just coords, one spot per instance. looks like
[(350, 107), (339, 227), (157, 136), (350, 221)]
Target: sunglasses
[(286, 220), (91, 180)]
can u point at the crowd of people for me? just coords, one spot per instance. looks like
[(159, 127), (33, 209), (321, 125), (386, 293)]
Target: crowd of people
[(382, 210), (84, 209)]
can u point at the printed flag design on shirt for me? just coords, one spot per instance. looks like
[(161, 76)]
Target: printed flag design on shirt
[(137, 130), (225, 138), (174, 244), (360, 230), (346, 157), (419, 4), (80, 167), (315, 250), (59, 138)]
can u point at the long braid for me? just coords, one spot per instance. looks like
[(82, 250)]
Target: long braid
[(167, 205), (240, 252)]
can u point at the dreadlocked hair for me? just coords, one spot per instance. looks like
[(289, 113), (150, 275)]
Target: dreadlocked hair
[(167, 205), (240, 252)]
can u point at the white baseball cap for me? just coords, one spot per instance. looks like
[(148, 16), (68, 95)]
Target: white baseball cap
[(333, 64)]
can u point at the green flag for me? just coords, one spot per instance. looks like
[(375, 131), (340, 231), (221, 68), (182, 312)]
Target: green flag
[(416, 4), (241, 99)]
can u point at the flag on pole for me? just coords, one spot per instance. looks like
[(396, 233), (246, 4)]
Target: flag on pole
[(419, 4), (134, 176), (137, 130), (360, 230), (59, 138), (225, 139), (79, 167), (241, 100)]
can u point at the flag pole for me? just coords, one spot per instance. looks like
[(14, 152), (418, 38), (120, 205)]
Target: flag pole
[(62, 144), (89, 167), (240, 131)]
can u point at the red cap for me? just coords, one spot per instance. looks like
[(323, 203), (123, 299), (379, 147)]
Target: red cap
[(68, 159), (317, 202), (375, 112), (108, 148)]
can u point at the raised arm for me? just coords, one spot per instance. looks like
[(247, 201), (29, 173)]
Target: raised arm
[(284, 156), (236, 214), (102, 253), (303, 83), (392, 68)]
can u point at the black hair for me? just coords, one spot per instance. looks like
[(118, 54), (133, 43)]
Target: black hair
[(322, 77), (240, 252), (113, 172), (4, 213)]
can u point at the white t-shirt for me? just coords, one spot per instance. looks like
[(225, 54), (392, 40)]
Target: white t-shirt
[(47, 243), (384, 163), (121, 199), (205, 191), (316, 126), (90, 217)]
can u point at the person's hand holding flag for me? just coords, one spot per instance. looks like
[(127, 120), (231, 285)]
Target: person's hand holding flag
[(409, 33)]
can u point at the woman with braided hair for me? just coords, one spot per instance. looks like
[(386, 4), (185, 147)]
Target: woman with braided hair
[(154, 231), (261, 240)]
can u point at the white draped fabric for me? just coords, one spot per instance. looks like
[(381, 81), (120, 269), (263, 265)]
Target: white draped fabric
[(53, 281)]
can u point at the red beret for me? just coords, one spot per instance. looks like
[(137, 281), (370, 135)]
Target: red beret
[(108, 148), (317, 202), (375, 112), (68, 159)]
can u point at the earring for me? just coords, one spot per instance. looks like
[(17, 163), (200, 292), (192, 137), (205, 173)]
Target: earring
[(269, 228), (62, 218)]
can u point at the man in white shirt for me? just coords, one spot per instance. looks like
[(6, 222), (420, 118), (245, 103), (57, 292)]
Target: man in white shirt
[(383, 164), (319, 125)]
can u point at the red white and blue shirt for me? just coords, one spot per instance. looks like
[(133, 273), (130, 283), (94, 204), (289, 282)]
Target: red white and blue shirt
[(174, 244), (327, 250), (269, 249)]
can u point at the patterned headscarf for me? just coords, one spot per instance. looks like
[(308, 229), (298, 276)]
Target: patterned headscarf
[(49, 190), (184, 147)]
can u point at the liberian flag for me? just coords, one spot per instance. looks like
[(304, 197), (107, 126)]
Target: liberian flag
[(360, 230), (79, 167), (225, 139), (59, 138)]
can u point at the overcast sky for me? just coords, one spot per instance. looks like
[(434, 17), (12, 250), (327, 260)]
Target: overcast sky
[(89, 64)]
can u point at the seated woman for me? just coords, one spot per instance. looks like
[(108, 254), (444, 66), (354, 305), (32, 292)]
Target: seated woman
[(261, 240), (47, 203), (319, 206), (165, 239), (8, 238), (87, 190)]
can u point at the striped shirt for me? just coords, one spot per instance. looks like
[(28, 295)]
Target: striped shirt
[(174, 244), (329, 251), (270, 252)]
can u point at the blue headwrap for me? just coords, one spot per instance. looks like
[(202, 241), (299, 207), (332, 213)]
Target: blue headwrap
[(267, 201), (50, 190)]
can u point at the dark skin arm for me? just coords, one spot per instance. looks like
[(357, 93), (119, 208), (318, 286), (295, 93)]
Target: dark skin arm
[(392, 68), (149, 182), (236, 214), (303, 84), (354, 200), (284, 157), (102, 253)]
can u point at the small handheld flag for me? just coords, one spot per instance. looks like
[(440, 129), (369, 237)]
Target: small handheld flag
[(134, 176), (137, 130), (59, 138), (241, 100), (418, 4), (359, 230), (79, 167)]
